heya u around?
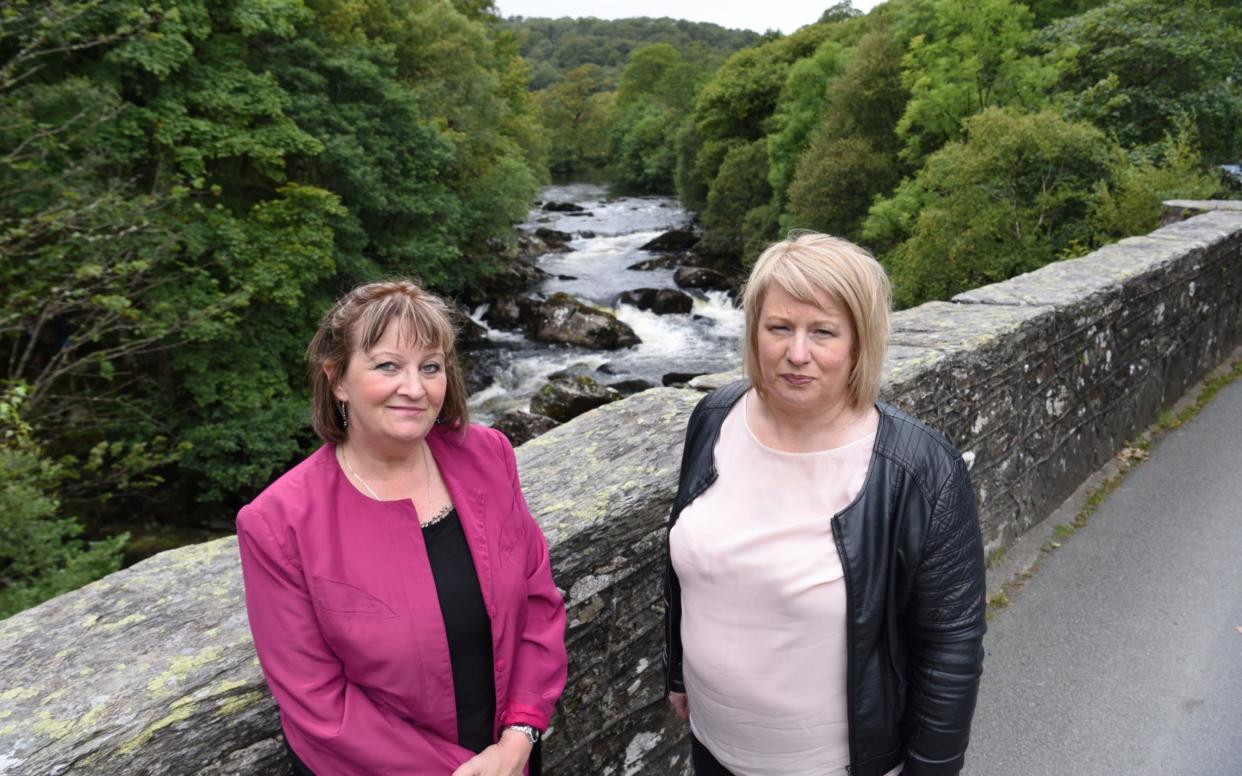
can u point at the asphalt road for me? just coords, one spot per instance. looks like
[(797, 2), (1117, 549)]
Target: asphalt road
[(1122, 656)]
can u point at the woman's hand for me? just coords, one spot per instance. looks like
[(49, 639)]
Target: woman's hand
[(506, 757), (681, 704)]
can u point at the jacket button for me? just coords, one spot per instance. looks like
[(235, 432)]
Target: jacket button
[(491, 612), (500, 665)]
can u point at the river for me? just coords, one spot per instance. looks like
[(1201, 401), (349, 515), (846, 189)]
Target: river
[(595, 270)]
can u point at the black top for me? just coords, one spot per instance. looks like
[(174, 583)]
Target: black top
[(469, 631)]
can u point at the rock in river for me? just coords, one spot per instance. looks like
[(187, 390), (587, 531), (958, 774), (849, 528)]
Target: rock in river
[(512, 311), (566, 398), (554, 239), (563, 207), (701, 277), (672, 241), (522, 426), (564, 319), (658, 300)]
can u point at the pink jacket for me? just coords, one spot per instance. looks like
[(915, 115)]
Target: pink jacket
[(347, 624)]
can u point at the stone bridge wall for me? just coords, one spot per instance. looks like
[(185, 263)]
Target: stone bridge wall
[(1038, 380)]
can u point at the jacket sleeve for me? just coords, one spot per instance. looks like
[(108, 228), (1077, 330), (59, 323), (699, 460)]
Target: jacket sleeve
[(343, 730), (674, 680), (540, 662), (945, 626)]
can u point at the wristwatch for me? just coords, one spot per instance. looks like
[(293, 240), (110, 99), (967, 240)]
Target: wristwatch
[(532, 734)]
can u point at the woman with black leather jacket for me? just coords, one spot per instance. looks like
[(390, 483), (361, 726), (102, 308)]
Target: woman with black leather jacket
[(825, 589)]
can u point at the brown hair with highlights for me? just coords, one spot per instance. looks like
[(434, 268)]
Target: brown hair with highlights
[(356, 323)]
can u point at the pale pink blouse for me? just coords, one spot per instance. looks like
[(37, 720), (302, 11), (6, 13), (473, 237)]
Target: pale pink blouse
[(763, 604)]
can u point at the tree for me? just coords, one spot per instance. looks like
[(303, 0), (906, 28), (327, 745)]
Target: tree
[(731, 113), (837, 179), (41, 554), (973, 58), (853, 155), (1135, 67), (1130, 201), (1016, 193), (576, 112), (803, 102), (185, 187), (654, 96), (737, 215)]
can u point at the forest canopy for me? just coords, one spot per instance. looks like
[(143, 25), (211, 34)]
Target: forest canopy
[(961, 142), (186, 185)]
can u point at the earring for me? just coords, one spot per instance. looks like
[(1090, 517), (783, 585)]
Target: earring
[(344, 414)]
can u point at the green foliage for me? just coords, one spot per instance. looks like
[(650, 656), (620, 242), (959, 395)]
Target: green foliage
[(799, 111), (972, 57), (836, 180), (184, 188), (1048, 11), (1135, 67), (576, 114), (1130, 201), (556, 46), (853, 157), (733, 112), (41, 554), (742, 94), (378, 155), (730, 225), (652, 103), (1012, 196)]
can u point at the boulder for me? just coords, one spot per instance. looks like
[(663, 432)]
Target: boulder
[(587, 233), (701, 277), (554, 239), (470, 335), (150, 670), (477, 368), (663, 262), (679, 379), (512, 311), (574, 371), (522, 426), (631, 386), (564, 319), (672, 241), (562, 207), (688, 259), (663, 301), (566, 398), (509, 277)]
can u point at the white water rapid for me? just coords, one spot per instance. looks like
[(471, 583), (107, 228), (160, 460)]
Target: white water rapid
[(704, 340)]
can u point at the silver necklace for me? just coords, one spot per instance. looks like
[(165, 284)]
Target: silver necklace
[(439, 516)]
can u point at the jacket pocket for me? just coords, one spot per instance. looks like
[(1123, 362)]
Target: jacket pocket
[(333, 596), (512, 534)]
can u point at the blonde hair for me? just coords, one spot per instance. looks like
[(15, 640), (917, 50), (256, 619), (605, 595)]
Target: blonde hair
[(809, 264), (356, 323)]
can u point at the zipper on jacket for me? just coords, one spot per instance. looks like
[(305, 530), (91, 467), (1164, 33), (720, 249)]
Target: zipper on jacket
[(849, 641)]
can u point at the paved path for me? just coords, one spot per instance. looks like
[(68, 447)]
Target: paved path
[(1121, 657)]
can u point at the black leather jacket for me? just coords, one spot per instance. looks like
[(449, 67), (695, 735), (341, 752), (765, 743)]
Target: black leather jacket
[(914, 584)]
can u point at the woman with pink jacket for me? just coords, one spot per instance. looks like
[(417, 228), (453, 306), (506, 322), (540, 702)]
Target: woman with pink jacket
[(398, 589)]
